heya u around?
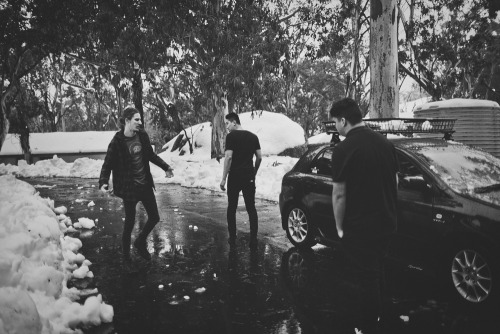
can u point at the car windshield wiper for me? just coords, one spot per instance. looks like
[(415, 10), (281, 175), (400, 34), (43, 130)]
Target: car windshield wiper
[(487, 189)]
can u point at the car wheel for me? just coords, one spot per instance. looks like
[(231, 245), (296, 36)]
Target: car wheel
[(299, 230), (473, 275)]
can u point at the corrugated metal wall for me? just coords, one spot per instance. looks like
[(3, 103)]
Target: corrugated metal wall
[(476, 125)]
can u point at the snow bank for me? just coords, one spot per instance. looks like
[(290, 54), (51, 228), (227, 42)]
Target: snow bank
[(36, 262), (276, 133)]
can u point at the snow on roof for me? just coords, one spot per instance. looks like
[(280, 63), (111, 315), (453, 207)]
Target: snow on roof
[(60, 142), (459, 103)]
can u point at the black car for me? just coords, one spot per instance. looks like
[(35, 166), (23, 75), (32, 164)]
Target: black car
[(448, 209)]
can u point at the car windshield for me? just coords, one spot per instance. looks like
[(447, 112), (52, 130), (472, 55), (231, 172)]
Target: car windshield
[(466, 170)]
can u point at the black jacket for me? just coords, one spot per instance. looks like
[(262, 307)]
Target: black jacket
[(118, 160)]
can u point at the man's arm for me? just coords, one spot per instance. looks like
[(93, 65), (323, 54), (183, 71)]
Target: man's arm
[(258, 160), (228, 158), (153, 157), (107, 166), (338, 202)]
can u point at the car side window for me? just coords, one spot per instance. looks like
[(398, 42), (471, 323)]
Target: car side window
[(409, 176), (322, 164)]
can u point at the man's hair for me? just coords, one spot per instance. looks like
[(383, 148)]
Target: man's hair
[(233, 117), (128, 113), (347, 108)]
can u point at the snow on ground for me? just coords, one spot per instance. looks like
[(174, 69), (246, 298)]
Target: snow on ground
[(36, 257), (276, 133), (36, 262)]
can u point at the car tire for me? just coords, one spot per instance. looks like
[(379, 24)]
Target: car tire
[(299, 229), (473, 276)]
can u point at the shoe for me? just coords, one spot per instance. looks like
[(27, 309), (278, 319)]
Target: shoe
[(142, 250)]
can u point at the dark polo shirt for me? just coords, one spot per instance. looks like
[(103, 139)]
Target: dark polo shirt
[(366, 161)]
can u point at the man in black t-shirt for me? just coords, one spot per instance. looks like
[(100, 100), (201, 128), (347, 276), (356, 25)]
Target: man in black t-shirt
[(241, 146), (364, 197)]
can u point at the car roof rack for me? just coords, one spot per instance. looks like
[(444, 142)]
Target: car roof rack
[(402, 126)]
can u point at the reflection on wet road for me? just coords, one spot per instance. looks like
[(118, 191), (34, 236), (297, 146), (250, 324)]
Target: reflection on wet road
[(196, 284)]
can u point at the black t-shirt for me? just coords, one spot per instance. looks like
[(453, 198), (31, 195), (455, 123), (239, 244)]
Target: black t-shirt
[(366, 161), (243, 143), (135, 149)]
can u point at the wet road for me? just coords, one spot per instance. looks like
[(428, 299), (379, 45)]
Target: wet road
[(195, 284)]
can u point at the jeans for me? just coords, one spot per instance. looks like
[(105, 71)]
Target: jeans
[(367, 256), (148, 199), (245, 184)]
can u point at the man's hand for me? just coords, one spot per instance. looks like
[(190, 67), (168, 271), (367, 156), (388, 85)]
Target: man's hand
[(223, 185), (169, 173), (104, 188)]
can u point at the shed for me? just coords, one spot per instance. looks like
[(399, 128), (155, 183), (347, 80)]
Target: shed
[(66, 145), (478, 121)]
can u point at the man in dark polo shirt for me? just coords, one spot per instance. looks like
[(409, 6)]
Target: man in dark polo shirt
[(364, 197), (241, 146)]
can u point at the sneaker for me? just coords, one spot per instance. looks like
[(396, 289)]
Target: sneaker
[(142, 250)]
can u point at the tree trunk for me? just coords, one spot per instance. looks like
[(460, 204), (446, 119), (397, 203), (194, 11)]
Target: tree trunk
[(4, 112), (137, 91), (384, 101), (24, 140), (352, 86), (63, 122), (162, 111), (119, 112), (174, 114), (220, 107)]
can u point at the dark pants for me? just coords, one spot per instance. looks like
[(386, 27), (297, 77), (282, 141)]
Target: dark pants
[(148, 199), (245, 184), (367, 256)]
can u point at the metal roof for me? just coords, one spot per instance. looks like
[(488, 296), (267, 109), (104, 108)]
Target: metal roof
[(478, 121)]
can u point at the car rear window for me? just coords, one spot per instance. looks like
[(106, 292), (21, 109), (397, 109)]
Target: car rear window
[(466, 170)]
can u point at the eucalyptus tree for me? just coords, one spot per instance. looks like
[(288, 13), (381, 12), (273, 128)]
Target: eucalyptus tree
[(30, 31), (349, 35), (320, 85), (232, 47), (384, 92), (452, 47), (133, 39)]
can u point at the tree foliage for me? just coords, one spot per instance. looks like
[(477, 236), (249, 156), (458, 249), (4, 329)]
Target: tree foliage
[(451, 48), (31, 30)]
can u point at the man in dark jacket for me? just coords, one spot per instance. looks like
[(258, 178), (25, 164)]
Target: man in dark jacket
[(128, 157)]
